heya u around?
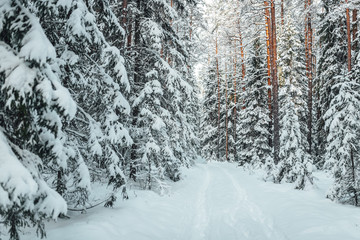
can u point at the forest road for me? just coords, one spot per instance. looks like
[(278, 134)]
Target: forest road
[(215, 201), (221, 209)]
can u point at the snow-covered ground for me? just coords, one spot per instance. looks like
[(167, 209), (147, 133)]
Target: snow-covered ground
[(216, 201)]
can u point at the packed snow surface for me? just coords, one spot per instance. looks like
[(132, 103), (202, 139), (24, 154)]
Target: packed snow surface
[(217, 201)]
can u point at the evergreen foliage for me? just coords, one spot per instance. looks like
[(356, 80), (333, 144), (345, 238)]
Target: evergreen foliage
[(254, 123), (342, 124), (70, 83), (123, 94), (331, 65)]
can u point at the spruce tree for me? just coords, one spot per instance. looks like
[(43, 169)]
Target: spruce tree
[(331, 64), (94, 72), (209, 115), (34, 109), (295, 163), (342, 124), (254, 125), (163, 87)]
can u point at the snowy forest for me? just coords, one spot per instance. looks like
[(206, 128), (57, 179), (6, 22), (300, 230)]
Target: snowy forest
[(103, 98)]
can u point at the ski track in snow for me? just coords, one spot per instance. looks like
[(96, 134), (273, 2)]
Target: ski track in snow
[(223, 211), (200, 215), (215, 201), (264, 225)]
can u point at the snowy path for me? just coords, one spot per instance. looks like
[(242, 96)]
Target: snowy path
[(223, 210), (216, 201)]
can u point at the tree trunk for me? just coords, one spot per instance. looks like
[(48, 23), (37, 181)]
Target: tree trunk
[(275, 90), (354, 19), (171, 5), (267, 27), (129, 36), (170, 42), (218, 79), (348, 37), (353, 176), (282, 13), (126, 25), (349, 69), (243, 72), (226, 116), (235, 100), (137, 78), (124, 13), (309, 68)]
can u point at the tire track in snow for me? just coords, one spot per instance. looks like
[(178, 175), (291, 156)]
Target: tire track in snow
[(221, 209), (200, 217), (222, 203), (253, 211)]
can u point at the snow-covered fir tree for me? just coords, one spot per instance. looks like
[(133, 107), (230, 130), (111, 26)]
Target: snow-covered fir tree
[(161, 127), (254, 120), (94, 72), (292, 65), (34, 109), (342, 123), (295, 163), (331, 64), (209, 130), (103, 95)]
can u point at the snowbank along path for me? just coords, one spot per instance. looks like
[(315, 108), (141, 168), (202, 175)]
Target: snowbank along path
[(216, 201)]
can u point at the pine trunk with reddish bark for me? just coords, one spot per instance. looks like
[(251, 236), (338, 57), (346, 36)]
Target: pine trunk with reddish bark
[(348, 28), (218, 80), (226, 116), (309, 68), (124, 13), (267, 28), (282, 13), (354, 20), (275, 87), (235, 100), (243, 69), (348, 31)]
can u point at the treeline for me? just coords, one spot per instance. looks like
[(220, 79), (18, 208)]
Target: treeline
[(92, 92), (282, 90)]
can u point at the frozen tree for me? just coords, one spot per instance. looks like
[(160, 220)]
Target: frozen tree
[(341, 121), (94, 72), (25, 198), (254, 125), (64, 113), (209, 116), (292, 65), (295, 163), (164, 94), (331, 64), (33, 112)]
